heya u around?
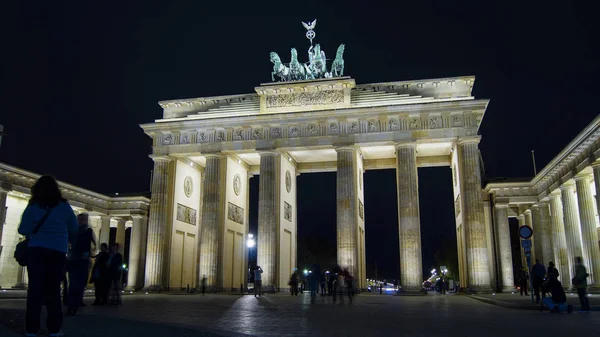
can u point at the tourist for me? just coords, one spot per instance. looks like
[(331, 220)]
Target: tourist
[(552, 272), (558, 299), (56, 227), (115, 272), (329, 283), (78, 264), (538, 271), (294, 283), (323, 283), (258, 281), (349, 284), (580, 282), (523, 278), (203, 284), (100, 276)]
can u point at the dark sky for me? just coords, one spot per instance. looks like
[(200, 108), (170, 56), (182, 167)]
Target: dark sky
[(79, 78)]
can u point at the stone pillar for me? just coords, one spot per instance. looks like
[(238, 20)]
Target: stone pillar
[(156, 251), (409, 225), (104, 229), (521, 219), (559, 241), (504, 247), (589, 236), (571, 219), (136, 262), (534, 214), (544, 234), (3, 197), (210, 235), (268, 215), (596, 169), (476, 243), (120, 237)]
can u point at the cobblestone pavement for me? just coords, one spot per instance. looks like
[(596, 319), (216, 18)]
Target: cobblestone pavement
[(284, 315)]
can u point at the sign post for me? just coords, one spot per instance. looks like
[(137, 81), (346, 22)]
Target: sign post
[(526, 232)]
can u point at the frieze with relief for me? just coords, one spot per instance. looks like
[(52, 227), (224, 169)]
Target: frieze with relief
[(324, 97), (235, 213), (294, 132)]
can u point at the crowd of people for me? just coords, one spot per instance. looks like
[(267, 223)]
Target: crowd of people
[(59, 250), (545, 281), (338, 283)]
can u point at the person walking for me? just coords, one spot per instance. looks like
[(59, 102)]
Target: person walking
[(203, 285), (580, 282), (50, 223), (523, 277), (100, 276), (538, 271), (79, 264), (115, 274), (294, 283), (258, 281)]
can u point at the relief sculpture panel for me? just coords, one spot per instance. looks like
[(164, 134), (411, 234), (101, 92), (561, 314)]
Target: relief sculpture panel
[(186, 214), (235, 213), (306, 99)]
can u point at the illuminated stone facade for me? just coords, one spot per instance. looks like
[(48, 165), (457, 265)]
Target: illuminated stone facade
[(291, 128)]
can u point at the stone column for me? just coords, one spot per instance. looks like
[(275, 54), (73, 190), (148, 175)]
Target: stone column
[(571, 219), (210, 236), (268, 214), (409, 225), (596, 169), (589, 236), (534, 214), (476, 243), (120, 237), (156, 250), (559, 241), (504, 247), (521, 219), (544, 234), (3, 197), (135, 248), (104, 229)]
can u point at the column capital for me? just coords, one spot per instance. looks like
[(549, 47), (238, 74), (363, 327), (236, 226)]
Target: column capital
[(536, 206), (217, 155), (569, 185), (408, 144), (521, 216), (268, 153), (469, 140), (583, 176), (501, 205), (138, 217), (527, 212), (555, 194), (595, 164), (345, 148)]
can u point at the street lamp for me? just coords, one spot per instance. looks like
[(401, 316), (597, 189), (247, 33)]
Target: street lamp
[(251, 242)]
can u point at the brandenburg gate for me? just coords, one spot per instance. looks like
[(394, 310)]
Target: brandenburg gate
[(206, 149)]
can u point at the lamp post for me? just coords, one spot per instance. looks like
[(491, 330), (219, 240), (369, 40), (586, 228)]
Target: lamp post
[(250, 243)]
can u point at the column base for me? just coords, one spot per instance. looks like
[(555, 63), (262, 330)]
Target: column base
[(154, 288), (509, 289), (480, 290), (408, 291)]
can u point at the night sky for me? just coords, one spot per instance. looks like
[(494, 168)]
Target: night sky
[(79, 78)]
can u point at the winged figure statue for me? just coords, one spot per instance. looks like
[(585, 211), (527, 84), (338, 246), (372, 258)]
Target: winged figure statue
[(310, 25)]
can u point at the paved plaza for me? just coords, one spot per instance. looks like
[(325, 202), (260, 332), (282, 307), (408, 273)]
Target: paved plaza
[(283, 315)]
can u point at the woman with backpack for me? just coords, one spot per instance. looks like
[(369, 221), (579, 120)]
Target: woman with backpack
[(50, 224)]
